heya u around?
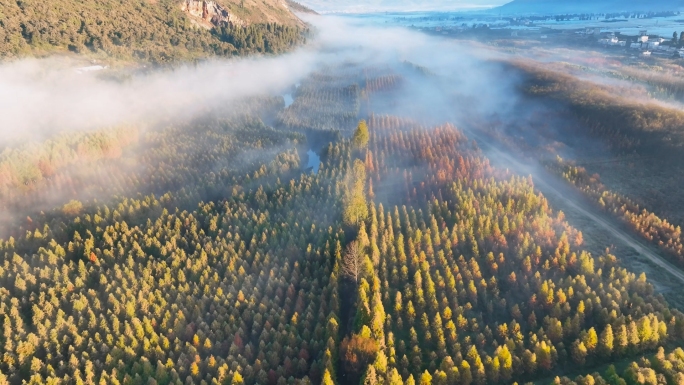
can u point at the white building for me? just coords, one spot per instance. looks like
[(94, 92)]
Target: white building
[(643, 39), (613, 41), (646, 53), (653, 45)]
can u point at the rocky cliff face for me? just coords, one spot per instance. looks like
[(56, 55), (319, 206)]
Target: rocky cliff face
[(210, 12)]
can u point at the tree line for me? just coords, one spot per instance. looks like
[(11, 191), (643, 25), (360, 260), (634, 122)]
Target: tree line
[(650, 226)]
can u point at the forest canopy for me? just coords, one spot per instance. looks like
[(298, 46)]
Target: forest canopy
[(141, 30), (205, 252)]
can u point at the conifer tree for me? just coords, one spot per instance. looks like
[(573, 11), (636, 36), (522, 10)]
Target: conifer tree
[(327, 378), (361, 135), (579, 352), (356, 208), (605, 347), (425, 378), (590, 340), (370, 377)]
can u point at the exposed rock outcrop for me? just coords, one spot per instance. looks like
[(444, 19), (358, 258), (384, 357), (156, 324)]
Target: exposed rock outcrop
[(210, 12)]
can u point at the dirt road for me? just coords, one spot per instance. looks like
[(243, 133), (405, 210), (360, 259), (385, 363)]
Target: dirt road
[(569, 198)]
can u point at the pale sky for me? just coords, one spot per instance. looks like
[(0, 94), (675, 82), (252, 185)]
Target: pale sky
[(398, 5)]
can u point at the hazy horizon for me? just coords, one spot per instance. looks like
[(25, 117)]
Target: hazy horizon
[(408, 6), (354, 6)]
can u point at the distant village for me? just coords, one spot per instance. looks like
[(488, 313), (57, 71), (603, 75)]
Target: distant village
[(642, 43), (541, 27)]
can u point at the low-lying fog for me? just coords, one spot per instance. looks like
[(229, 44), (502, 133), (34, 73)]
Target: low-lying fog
[(40, 97)]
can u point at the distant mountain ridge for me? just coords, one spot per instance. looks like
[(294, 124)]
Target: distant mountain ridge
[(589, 6)]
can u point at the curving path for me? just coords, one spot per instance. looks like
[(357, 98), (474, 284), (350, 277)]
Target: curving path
[(543, 183)]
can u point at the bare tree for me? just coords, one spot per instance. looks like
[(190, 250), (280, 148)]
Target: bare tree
[(352, 260)]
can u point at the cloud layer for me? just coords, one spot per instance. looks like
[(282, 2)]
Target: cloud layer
[(355, 6)]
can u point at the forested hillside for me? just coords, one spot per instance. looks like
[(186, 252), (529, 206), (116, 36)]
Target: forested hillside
[(156, 31), (202, 252)]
